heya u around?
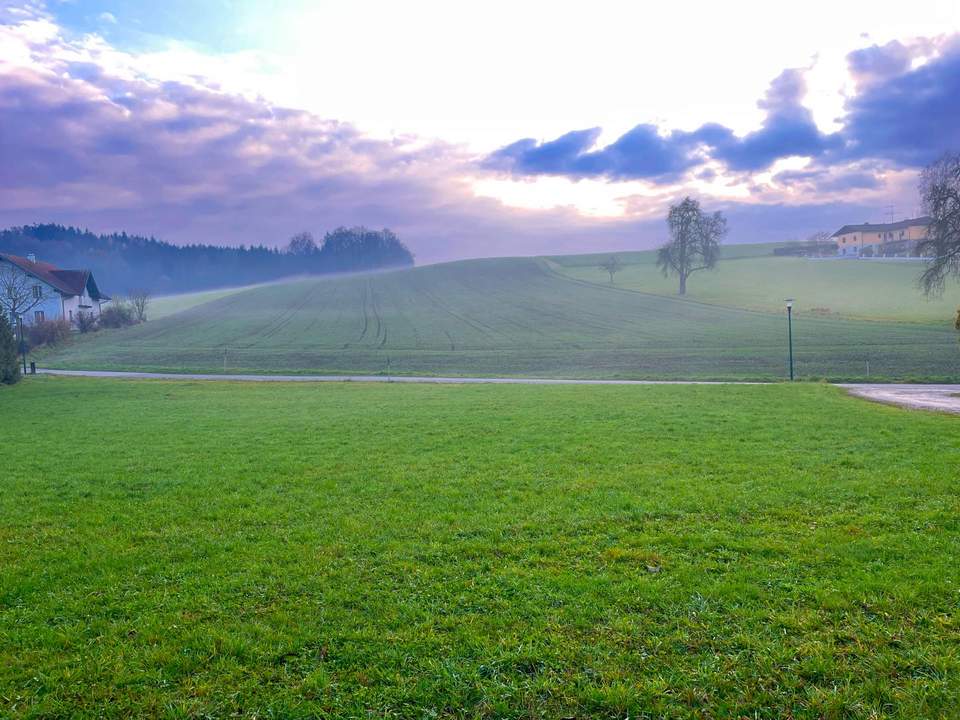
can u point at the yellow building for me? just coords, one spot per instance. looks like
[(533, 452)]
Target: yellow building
[(897, 238)]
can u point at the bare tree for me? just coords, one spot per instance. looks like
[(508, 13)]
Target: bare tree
[(940, 195), (301, 244), (694, 241), (140, 300), (612, 266), (19, 292)]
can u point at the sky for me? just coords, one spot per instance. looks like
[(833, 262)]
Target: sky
[(471, 128)]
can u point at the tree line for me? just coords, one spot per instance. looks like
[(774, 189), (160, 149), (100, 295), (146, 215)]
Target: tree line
[(120, 261)]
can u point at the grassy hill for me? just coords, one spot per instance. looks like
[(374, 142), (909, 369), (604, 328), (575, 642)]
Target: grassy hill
[(859, 289), (394, 551), (165, 305), (553, 317)]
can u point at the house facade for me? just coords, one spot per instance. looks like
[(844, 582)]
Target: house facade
[(56, 293), (881, 239)]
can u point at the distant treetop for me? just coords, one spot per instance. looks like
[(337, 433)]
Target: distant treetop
[(123, 262)]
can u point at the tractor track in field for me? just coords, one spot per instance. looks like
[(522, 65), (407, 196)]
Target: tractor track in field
[(366, 319), (381, 326), (434, 302), (291, 314)]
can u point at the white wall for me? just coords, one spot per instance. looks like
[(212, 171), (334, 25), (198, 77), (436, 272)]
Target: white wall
[(51, 305)]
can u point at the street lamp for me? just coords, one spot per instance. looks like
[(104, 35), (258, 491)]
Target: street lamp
[(789, 302)]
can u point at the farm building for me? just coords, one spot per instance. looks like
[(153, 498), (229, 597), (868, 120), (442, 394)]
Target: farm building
[(899, 238), (38, 291)]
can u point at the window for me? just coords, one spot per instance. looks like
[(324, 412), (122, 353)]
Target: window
[(38, 316), (37, 292)]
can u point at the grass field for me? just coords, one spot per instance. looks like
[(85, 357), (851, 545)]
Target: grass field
[(357, 551), (544, 317), (165, 305), (861, 290)]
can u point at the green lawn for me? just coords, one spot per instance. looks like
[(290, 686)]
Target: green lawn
[(356, 551), (520, 317)]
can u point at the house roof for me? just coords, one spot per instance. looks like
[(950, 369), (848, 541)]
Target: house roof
[(883, 227), (68, 282)]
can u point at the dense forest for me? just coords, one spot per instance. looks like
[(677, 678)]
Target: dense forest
[(122, 262)]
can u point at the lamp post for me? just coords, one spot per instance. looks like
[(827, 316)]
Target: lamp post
[(789, 302)]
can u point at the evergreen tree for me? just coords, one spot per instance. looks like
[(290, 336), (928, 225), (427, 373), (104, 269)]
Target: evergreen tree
[(9, 363), (121, 262)]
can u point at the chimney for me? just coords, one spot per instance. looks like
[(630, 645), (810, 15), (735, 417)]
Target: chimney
[(31, 257)]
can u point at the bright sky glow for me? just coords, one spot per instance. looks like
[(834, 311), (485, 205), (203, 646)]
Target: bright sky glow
[(475, 77), (486, 73)]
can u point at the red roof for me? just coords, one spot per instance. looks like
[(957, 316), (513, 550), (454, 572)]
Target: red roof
[(69, 282)]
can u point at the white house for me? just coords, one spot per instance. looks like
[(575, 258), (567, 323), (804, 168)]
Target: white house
[(61, 293)]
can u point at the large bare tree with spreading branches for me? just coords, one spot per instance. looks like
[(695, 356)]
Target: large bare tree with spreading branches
[(19, 293), (694, 241), (940, 195)]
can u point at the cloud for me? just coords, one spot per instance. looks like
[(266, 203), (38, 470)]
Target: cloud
[(875, 63), (902, 115), (108, 18), (91, 137), (646, 153), (824, 180), (639, 153), (788, 130), (83, 145)]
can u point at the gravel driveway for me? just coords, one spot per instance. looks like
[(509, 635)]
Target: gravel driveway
[(945, 398)]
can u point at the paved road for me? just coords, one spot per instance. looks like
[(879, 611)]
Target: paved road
[(945, 398)]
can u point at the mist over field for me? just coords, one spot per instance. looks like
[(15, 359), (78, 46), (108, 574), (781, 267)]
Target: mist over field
[(554, 317)]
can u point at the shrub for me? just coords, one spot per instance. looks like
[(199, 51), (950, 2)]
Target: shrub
[(9, 365), (119, 314), (48, 332), (86, 322)]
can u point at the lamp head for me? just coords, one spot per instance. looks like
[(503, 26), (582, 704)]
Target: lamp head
[(789, 302)]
